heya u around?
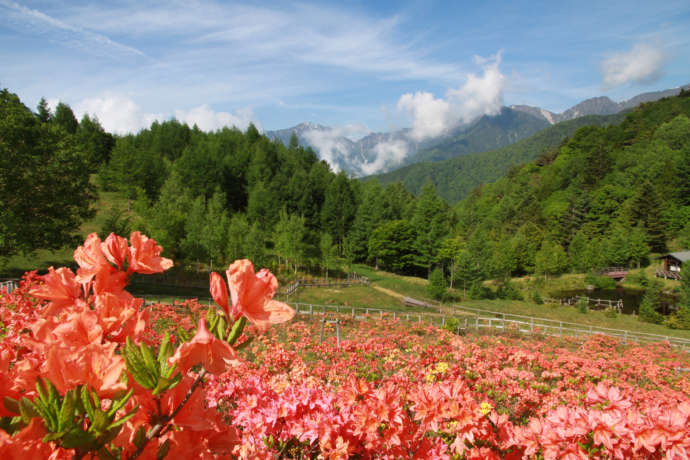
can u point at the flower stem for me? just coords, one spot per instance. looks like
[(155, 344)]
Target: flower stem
[(155, 431)]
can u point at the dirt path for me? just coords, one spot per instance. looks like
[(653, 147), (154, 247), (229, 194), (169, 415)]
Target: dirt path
[(397, 295)]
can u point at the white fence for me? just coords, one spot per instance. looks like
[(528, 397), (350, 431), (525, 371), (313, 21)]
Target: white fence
[(473, 318), (9, 285)]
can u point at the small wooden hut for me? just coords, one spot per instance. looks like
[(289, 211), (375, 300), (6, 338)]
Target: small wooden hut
[(672, 264)]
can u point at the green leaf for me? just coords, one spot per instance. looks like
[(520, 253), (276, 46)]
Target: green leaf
[(11, 404), (237, 330), (117, 405), (137, 366), (140, 437), (221, 327), (163, 450), (78, 438), (151, 363), (105, 454), (96, 400), (53, 436), (28, 410), (110, 434), (53, 395), (164, 353), (49, 417), (66, 414), (11, 424), (183, 334), (100, 423), (86, 401), (41, 390), (126, 417)]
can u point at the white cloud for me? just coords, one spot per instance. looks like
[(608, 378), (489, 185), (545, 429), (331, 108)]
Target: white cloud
[(68, 34), (117, 114), (430, 116), (479, 95), (642, 64), (121, 115), (353, 131), (336, 147), (388, 155), (209, 120), (332, 147)]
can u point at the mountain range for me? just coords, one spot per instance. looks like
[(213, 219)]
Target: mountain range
[(378, 153)]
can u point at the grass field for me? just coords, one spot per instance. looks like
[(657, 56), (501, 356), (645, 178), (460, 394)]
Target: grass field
[(416, 287)]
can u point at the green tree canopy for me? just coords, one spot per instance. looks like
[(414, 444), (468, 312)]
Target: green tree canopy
[(45, 192)]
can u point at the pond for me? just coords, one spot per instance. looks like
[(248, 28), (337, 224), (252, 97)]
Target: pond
[(631, 297)]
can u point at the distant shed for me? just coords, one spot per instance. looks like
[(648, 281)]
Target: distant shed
[(674, 260)]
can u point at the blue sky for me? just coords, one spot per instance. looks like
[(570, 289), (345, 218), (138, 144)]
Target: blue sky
[(359, 66)]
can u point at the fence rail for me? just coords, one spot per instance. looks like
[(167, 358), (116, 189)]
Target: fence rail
[(568, 328), (353, 279), (9, 285), (486, 319), (668, 275), (608, 303), (470, 318)]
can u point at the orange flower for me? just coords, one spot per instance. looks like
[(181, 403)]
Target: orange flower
[(144, 255), (115, 248), (252, 295), (95, 365), (219, 292), (90, 258), (213, 354), (60, 287)]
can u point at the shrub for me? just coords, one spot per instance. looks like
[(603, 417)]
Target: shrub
[(582, 305), (650, 303), (611, 313), (639, 278), (508, 291), (437, 284), (536, 297), (452, 325), (680, 319)]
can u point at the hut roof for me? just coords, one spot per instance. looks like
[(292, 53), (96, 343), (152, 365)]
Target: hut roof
[(683, 256)]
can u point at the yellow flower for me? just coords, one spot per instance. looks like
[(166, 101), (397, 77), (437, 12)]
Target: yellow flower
[(430, 377), (441, 368), (485, 407)]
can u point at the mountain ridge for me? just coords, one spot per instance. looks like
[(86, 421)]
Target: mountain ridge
[(384, 152)]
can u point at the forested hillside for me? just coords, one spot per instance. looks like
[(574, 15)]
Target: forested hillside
[(215, 197), (607, 196), (487, 133), (454, 179)]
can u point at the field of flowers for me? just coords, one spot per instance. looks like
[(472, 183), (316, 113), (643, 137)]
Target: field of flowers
[(87, 370)]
